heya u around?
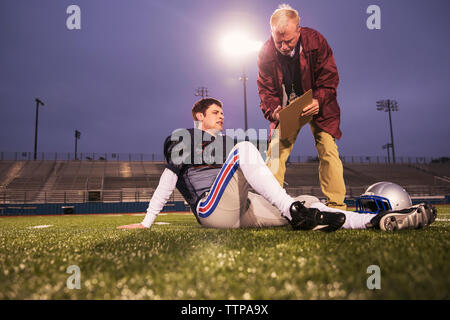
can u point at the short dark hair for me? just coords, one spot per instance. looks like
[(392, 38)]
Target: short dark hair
[(203, 104)]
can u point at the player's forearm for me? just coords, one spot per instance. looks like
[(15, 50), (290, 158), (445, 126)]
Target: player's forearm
[(166, 185)]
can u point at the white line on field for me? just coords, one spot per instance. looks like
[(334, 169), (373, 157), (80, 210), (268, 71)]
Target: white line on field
[(42, 226), (446, 220)]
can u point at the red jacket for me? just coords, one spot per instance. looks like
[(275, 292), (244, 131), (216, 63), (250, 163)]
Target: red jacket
[(318, 71)]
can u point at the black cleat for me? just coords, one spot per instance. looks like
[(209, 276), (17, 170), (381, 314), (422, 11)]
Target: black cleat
[(415, 217), (313, 219)]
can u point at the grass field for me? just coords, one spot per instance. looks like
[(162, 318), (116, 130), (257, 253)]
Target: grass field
[(181, 260)]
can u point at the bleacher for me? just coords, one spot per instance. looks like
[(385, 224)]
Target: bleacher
[(73, 181)]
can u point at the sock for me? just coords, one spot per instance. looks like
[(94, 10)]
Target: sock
[(261, 178), (353, 220)]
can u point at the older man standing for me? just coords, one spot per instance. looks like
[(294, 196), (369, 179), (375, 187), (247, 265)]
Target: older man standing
[(294, 60)]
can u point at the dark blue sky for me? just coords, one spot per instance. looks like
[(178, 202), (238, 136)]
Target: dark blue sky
[(128, 77)]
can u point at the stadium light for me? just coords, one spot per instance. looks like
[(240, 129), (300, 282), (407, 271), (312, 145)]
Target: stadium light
[(77, 136), (38, 103), (201, 91), (389, 106), (238, 44)]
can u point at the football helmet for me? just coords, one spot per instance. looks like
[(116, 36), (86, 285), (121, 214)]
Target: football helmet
[(383, 196)]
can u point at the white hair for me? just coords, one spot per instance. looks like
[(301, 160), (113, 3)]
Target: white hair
[(282, 16)]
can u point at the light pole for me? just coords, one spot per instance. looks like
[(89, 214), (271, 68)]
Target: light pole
[(38, 102), (244, 80), (389, 106), (201, 91), (238, 44), (77, 136), (387, 146)]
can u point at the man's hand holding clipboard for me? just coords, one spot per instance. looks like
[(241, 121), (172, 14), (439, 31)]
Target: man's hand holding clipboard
[(299, 112)]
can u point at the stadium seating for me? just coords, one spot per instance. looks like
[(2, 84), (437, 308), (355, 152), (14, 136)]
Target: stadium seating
[(46, 181)]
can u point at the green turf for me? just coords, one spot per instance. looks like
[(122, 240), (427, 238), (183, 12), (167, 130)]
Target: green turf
[(182, 260)]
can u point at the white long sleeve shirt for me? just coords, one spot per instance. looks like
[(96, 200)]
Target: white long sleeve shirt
[(166, 185)]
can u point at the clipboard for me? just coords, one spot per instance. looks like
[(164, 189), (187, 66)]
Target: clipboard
[(290, 119)]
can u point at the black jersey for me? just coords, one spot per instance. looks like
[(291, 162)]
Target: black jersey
[(196, 157)]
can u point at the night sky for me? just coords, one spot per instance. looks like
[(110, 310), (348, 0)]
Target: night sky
[(127, 79)]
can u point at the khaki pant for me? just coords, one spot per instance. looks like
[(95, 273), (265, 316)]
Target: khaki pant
[(331, 173)]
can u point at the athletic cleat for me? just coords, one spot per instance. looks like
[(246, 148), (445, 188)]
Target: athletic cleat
[(415, 217), (312, 219)]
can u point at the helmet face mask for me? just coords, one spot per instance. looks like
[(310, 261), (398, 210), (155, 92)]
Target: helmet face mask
[(383, 196), (372, 204)]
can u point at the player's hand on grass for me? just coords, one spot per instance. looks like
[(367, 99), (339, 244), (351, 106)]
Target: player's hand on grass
[(132, 226), (311, 109)]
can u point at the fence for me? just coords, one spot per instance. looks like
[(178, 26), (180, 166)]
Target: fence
[(113, 196), (355, 191), (105, 196), (18, 209), (153, 157), (369, 160), (83, 156)]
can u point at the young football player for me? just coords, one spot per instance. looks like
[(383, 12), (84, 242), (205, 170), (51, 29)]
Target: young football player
[(214, 176)]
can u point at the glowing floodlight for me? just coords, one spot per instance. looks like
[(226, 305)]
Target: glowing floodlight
[(237, 44)]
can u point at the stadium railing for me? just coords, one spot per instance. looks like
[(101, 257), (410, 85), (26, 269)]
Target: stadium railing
[(144, 195), (153, 157), (73, 196)]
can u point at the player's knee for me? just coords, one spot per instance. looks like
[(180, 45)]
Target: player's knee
[(248, 153), (307, 199), (245, 145)]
